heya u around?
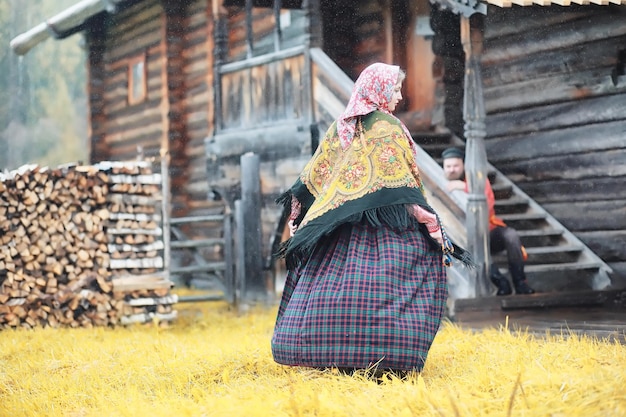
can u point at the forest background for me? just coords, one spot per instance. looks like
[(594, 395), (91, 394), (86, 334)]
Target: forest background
[(43, 108)]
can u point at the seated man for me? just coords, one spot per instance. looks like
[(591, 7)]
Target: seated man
[(501, 236)]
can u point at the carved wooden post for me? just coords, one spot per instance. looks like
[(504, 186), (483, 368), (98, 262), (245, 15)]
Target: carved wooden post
[(477, 215)]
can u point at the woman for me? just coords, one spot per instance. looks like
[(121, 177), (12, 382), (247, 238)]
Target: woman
[(366, 286)]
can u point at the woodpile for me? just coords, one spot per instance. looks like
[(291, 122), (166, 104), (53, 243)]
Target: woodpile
[(81, 246)]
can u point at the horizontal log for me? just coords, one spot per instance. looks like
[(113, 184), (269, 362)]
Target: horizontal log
[(503, 22), (557, 116), (567, 166), (572, 59), (590, 138), (550, 90), (587, 189), (590, 216), (607, 244), (265, 142), (578, 32)]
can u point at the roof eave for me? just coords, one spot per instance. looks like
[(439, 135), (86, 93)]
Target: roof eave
[(66, 23)]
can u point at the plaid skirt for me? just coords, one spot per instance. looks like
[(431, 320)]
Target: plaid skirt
[(368, 297)]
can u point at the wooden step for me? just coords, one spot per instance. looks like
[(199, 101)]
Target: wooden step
[(563, 267), (540, 237), (573, 276), (524, 221), (546, 255), (502, 191), (511, 205)]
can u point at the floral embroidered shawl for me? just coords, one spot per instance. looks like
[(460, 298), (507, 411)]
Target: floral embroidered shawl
[(363, 169)]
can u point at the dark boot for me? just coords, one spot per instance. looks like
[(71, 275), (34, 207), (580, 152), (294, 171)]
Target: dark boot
[(519, 280), (500, 281)]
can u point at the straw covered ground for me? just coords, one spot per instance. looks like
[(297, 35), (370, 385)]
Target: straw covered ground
[(215, 362)]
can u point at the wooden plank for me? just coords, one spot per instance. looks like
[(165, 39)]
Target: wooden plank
[(578, 32), (590, 215), (555, 116), (268, 142), (608, 244), (571, 59), (566, 190), (152, 301), (551, 90), (148, 317), (562, 166), (573, 140), (156, 262), (128, 283)]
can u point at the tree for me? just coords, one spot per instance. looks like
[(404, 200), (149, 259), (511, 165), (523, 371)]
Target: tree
[(42, 94)]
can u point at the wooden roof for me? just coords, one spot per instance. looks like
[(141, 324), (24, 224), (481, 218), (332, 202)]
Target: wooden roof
[(510, 3), (469, 7), (65, 23)]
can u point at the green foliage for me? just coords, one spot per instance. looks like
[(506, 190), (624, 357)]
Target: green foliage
[(42, 94)]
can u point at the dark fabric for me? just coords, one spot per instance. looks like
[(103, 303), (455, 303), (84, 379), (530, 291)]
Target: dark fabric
[(506, 238), (386, 206), (367, 296)]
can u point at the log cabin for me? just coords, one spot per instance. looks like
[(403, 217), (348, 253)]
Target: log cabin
[(533, 89)]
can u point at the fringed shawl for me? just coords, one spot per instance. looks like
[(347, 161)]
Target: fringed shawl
[(374, 179)]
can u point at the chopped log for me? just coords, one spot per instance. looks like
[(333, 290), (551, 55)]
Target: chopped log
[(61, 229)]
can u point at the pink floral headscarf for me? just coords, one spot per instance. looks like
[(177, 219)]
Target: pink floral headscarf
[(373, 90)]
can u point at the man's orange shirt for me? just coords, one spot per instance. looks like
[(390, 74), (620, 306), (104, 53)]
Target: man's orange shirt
[(494, 221)]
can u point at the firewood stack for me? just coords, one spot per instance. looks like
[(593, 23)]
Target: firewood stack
[(69, 235), (140, 291)]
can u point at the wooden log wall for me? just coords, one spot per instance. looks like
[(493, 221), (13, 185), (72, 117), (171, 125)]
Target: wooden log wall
[(554, 93), (265, 94), (198, 96), (176, 40), (294, 31)]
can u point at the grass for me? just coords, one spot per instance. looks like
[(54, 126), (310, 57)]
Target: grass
[(215, 362)]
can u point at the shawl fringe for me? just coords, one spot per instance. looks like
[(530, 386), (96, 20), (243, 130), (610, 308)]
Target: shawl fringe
[(299, 248)]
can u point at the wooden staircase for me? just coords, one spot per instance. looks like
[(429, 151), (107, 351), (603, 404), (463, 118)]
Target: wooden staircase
[(557, 260)]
